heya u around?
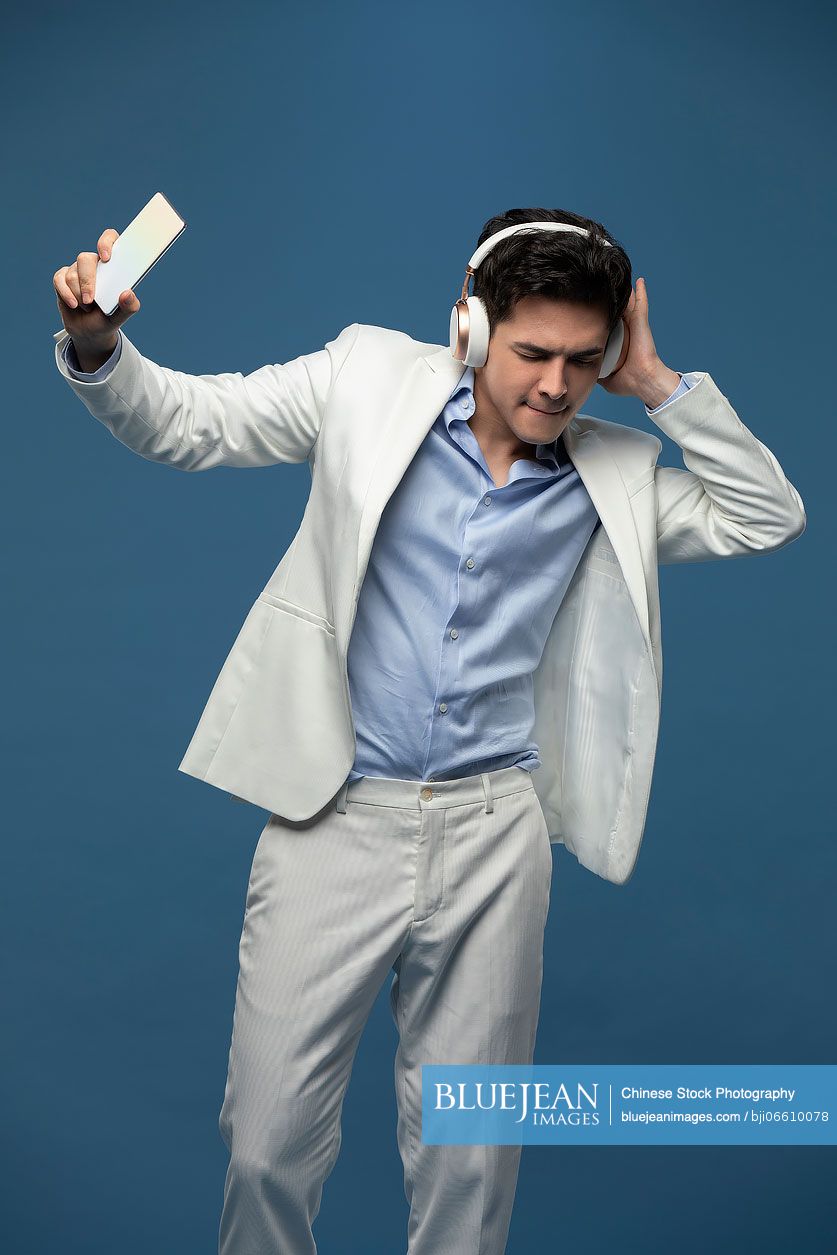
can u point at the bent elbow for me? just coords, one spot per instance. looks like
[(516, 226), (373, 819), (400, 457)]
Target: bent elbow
[(797, 521), (791, 530)]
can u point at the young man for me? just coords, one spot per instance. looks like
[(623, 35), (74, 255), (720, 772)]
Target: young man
[(455, 666)]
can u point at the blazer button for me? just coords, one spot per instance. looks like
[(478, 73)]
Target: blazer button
[(426, 795)]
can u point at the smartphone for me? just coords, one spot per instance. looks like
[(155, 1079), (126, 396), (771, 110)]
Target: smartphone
[(135, 250)]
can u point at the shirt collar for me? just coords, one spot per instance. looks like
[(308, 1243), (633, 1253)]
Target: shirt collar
[(460, 405)]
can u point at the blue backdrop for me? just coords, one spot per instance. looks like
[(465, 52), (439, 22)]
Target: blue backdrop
[(335, 164)]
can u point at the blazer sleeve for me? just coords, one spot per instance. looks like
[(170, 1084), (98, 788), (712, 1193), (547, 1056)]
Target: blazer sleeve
[(734, 498), (196, 422)]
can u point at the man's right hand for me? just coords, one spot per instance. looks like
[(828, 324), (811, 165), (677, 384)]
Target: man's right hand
[(93, 333)]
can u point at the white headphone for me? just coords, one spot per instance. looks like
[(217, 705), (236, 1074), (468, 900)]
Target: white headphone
[(469, 329)]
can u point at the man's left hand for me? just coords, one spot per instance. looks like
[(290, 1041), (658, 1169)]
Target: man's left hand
[(642, 374)]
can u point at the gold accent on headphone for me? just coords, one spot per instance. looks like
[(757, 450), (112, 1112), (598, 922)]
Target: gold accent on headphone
[(463, 319)]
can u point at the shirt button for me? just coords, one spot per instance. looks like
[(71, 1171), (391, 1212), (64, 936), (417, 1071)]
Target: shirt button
[(454, 633), (469, 563), (486, 501), (443, 707), (426, 795)]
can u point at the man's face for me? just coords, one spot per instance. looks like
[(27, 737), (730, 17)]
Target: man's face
[(543, 362)]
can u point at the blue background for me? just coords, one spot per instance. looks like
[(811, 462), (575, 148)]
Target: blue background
[(335, 164)]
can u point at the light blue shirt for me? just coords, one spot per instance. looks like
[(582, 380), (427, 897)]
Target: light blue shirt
[(463, 584)]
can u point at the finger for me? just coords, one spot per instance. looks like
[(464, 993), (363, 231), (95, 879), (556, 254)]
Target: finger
[(641, 302), (71, 279), (86, 265), (105, 243), (59, 282)]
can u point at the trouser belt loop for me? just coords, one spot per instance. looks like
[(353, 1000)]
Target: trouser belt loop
[(486, 784), (340, 804)]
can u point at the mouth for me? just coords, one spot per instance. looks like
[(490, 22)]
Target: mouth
[(546, 413)]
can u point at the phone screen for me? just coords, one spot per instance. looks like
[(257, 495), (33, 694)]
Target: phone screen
[(135, 250)]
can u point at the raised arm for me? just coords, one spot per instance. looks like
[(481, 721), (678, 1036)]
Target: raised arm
[(734, 499), (196, 422), (191, 422)]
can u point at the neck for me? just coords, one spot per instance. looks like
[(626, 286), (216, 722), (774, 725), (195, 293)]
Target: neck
[(494, 436)]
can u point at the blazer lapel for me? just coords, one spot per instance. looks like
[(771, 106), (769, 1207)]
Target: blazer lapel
[(603, 481), (412, 412), (414, 409)]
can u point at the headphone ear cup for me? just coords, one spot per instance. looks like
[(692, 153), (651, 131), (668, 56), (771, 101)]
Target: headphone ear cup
[(616, 350), (479, 333), (469, 331), (458, 350)]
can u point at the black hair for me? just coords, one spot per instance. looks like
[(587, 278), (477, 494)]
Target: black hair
[(559, 264)]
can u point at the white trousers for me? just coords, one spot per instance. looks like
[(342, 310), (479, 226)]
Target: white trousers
[(447, 883)]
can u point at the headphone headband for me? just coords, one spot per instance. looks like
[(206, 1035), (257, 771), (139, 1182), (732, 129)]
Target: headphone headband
[(488, 244)]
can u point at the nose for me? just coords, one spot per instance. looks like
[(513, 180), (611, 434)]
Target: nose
[(553, 385)]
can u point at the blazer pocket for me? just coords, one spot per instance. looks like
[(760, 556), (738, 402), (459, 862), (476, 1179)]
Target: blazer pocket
[(290, 607)]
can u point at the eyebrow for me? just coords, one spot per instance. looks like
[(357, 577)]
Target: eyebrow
[(538, 348)]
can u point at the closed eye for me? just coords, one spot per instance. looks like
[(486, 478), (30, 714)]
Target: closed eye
[(578, 361)]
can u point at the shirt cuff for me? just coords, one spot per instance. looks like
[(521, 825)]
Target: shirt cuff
[(94, 376), (685, 384)]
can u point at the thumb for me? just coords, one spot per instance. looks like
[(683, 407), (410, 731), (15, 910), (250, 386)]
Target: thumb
[(128, 305)]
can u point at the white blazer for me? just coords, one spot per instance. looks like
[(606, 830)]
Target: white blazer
[(277, 729)]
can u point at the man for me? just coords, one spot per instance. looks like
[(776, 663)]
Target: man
[(455, 665)]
